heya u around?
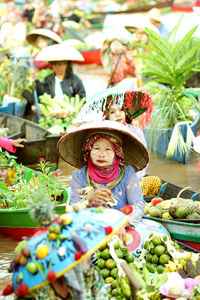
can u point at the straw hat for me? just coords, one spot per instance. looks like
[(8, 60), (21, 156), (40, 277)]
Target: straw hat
[(155, 14), (55, 247), (33, 35), (135, 102), (70, 145), (59, 52)]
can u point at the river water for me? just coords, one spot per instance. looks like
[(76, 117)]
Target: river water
[(95, 79)]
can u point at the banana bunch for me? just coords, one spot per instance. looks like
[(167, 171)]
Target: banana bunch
[(150, 284), (75, 102), (172, 266)]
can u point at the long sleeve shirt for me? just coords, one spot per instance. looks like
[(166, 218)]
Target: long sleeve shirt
[(127, 191), (7, 144)]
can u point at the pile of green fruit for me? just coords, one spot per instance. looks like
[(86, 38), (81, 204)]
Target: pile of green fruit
[(120, 288), (157, 254)]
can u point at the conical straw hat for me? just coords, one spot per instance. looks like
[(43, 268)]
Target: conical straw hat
[(33, 35), (70, 145), (59, 52)]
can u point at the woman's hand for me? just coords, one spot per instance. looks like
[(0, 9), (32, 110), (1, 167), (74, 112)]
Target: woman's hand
[(17, 143), (100, 196), (122, 234)]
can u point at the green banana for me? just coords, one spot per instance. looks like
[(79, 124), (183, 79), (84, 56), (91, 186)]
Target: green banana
[(155, 278), (162, 279), (139, 278), (146, 275)]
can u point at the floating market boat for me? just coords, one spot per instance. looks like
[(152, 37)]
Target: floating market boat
[(184, 230), (40, 142), (92, 56), (17, 223)]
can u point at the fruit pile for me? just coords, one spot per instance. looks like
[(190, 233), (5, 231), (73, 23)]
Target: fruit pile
[(175, 208), (157, 254), (160, 253), (108, 267)]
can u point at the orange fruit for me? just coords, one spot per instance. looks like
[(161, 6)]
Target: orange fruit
[(42, 251)]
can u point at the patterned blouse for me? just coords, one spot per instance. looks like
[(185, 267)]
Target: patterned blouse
[(127, 191)]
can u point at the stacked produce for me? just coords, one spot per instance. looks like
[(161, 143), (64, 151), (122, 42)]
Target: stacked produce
[(174, 209), (58, 113), (109, 257)]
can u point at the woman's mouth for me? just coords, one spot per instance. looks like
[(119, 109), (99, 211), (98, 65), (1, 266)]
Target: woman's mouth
[(101, 161)]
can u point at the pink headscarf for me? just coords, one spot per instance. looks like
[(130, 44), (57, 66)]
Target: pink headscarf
[(103, 175)]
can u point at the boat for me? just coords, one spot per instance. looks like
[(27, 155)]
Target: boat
[(40, 142), (92, 56), (183, 231), (17, 223)]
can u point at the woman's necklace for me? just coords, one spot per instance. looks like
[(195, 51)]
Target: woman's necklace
[(112, 184)]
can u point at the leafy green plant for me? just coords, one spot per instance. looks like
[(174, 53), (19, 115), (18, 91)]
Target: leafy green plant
[(26, 181), (167, 72), (14, 78), (7, 160)]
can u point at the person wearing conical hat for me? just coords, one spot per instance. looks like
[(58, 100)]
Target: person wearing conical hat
[(56, 262), (117, 59), (130, 107), (108, 156), (62, 80), (155, 18), (41, 38)]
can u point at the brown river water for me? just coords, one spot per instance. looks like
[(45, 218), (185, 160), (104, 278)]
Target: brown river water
[(95, 79)]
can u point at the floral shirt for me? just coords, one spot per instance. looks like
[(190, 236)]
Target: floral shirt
[(125, 67), (127, 191)]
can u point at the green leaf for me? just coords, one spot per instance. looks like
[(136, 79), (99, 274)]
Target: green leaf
[(3, 188)]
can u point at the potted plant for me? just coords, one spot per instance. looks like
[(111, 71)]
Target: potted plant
[(176, 111), (14, 79)]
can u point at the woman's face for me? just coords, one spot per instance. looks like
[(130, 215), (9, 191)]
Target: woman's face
[(117, 47), (41, 43), (102, 153), (115, 113), (59, 67)]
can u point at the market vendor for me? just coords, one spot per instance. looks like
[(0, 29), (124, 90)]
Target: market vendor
[(41, 38), (108, 155), (130, 107), (62, 80), (11, 145), (63, 247), (117, 59)]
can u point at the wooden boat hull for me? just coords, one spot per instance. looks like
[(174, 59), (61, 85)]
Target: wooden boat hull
[(40, 142), (17, 223)]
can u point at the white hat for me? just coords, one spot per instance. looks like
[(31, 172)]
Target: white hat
[(59, 52)]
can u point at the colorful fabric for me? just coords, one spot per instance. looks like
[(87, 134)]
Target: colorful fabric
[(103, 175), (127, 191), (89, 286), (7, 144), (125, 67)]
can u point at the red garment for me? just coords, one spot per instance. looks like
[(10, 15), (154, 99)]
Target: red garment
[(103, 175), (125, 67), (41, 64), (7, 144)]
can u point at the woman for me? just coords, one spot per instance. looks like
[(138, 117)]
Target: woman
[(55, 263), (62, 80), (118, 60), (100, 150), (41, 38), (127, 107)]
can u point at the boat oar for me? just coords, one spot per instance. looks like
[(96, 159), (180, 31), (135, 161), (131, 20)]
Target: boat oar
[(36, 104), (74, 34)]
